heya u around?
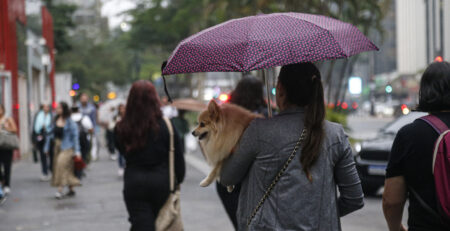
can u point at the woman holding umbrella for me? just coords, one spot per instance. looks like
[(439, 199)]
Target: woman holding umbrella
[(289, 165)]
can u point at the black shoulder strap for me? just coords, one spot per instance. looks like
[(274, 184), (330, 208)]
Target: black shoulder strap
[(424, 205)]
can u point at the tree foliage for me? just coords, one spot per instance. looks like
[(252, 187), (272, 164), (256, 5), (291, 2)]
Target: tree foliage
[(157, 26), (62, 22)]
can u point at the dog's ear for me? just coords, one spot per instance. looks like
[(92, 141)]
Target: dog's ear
[(214, 110)]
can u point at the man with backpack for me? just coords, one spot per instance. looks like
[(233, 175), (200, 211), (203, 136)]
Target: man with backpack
[(85, 131), (419, 164)]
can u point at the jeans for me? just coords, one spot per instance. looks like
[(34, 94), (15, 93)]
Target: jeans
[(121, 160), (6, 157), (45, 159)]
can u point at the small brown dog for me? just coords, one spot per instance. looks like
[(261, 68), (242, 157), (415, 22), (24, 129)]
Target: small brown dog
[(219, 130)]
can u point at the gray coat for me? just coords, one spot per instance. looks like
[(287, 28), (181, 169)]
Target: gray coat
[(295, 203)]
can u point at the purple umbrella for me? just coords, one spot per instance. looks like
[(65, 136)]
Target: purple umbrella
[(267, 40)]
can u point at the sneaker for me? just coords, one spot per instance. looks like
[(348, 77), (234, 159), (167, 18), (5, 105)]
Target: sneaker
[(113, 157), (70, 194), (45, 178), (120, 172), (6, 190), (58, 195)]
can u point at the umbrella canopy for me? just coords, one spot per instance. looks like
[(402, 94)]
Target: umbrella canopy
[(105, 113), (189, 104), (267, 40)]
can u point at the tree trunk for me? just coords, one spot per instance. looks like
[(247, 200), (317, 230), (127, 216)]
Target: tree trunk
[(328, 79), (341, 80)]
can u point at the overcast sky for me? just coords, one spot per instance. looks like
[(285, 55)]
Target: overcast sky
[(111, 9)]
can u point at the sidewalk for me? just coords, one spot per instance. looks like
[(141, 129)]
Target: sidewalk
[(98, 204)]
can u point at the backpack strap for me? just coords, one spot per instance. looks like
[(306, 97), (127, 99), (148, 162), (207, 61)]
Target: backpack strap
[(435, 123)]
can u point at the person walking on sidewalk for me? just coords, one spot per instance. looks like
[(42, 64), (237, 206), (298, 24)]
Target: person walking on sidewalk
[(64, 133), (41, 126), (6, 155), (301, 156), (85, 131), (409, 172), (143, 137), (88, 109), (112, 125)]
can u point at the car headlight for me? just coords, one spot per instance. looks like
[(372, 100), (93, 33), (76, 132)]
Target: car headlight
[(357, 146)]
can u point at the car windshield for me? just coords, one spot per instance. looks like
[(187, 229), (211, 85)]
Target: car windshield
[(394, 126)]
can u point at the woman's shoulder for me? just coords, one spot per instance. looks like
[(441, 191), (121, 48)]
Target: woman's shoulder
[(334, 132)]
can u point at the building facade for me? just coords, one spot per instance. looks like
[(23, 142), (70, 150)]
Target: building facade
[(423, 33), (25, 80)]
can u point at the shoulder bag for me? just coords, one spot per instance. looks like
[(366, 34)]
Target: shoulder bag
[(169, 217), (277, 178), (8, 140)]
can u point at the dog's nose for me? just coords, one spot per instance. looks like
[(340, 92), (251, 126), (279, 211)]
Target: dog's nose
[(193, 133)]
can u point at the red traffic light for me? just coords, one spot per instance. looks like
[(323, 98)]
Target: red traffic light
[(404, 106)]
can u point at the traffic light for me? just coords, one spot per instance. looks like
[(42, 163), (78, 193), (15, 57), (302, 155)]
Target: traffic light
[(439, 59), (111, 95), (388, 89), (76, 86)]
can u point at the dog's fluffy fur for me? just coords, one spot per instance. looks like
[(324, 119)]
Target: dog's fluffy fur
[(219, 130)]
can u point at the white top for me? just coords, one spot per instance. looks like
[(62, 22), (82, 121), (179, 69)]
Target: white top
[(85, 121)]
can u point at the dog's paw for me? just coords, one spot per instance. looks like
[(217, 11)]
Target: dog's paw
[(230, 188), (205, 183)]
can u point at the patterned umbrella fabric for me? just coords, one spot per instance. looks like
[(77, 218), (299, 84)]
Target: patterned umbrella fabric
[(267, 40)]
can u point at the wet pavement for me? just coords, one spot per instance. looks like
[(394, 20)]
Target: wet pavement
[(98, 204)]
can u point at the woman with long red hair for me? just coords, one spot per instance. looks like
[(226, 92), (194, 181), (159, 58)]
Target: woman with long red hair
[(143, 137)]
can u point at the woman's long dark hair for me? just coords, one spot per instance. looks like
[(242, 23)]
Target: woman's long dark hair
[(249, 94), (65, 111), (303, 86), (143, 110), (434, 94)]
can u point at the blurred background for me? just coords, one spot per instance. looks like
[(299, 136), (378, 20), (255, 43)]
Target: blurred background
[(54, 50)]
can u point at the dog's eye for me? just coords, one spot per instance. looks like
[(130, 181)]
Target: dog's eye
[(202, 124)]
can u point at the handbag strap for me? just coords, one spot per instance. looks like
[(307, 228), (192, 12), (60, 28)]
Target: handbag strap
[(277, 177), (171, 155)]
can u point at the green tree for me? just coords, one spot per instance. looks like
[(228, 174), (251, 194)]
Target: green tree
[(62, 22)]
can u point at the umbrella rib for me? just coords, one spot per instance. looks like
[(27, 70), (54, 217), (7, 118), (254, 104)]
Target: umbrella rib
[(325, 29)]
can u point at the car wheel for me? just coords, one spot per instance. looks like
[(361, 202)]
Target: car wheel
[(369, 189)]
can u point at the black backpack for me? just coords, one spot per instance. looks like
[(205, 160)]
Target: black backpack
[(85, 144)]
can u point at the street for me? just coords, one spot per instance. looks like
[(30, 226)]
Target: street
[(98, 204)]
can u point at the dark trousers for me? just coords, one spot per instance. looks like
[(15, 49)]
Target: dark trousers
[(110, 141), (229, 201), (45, 159), (6, 157), (145, 193)]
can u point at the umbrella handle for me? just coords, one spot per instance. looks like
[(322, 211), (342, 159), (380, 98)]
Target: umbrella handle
[(269, 104), (166, 91)]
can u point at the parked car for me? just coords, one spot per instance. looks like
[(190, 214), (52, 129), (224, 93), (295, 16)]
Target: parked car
[(372, 155)]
